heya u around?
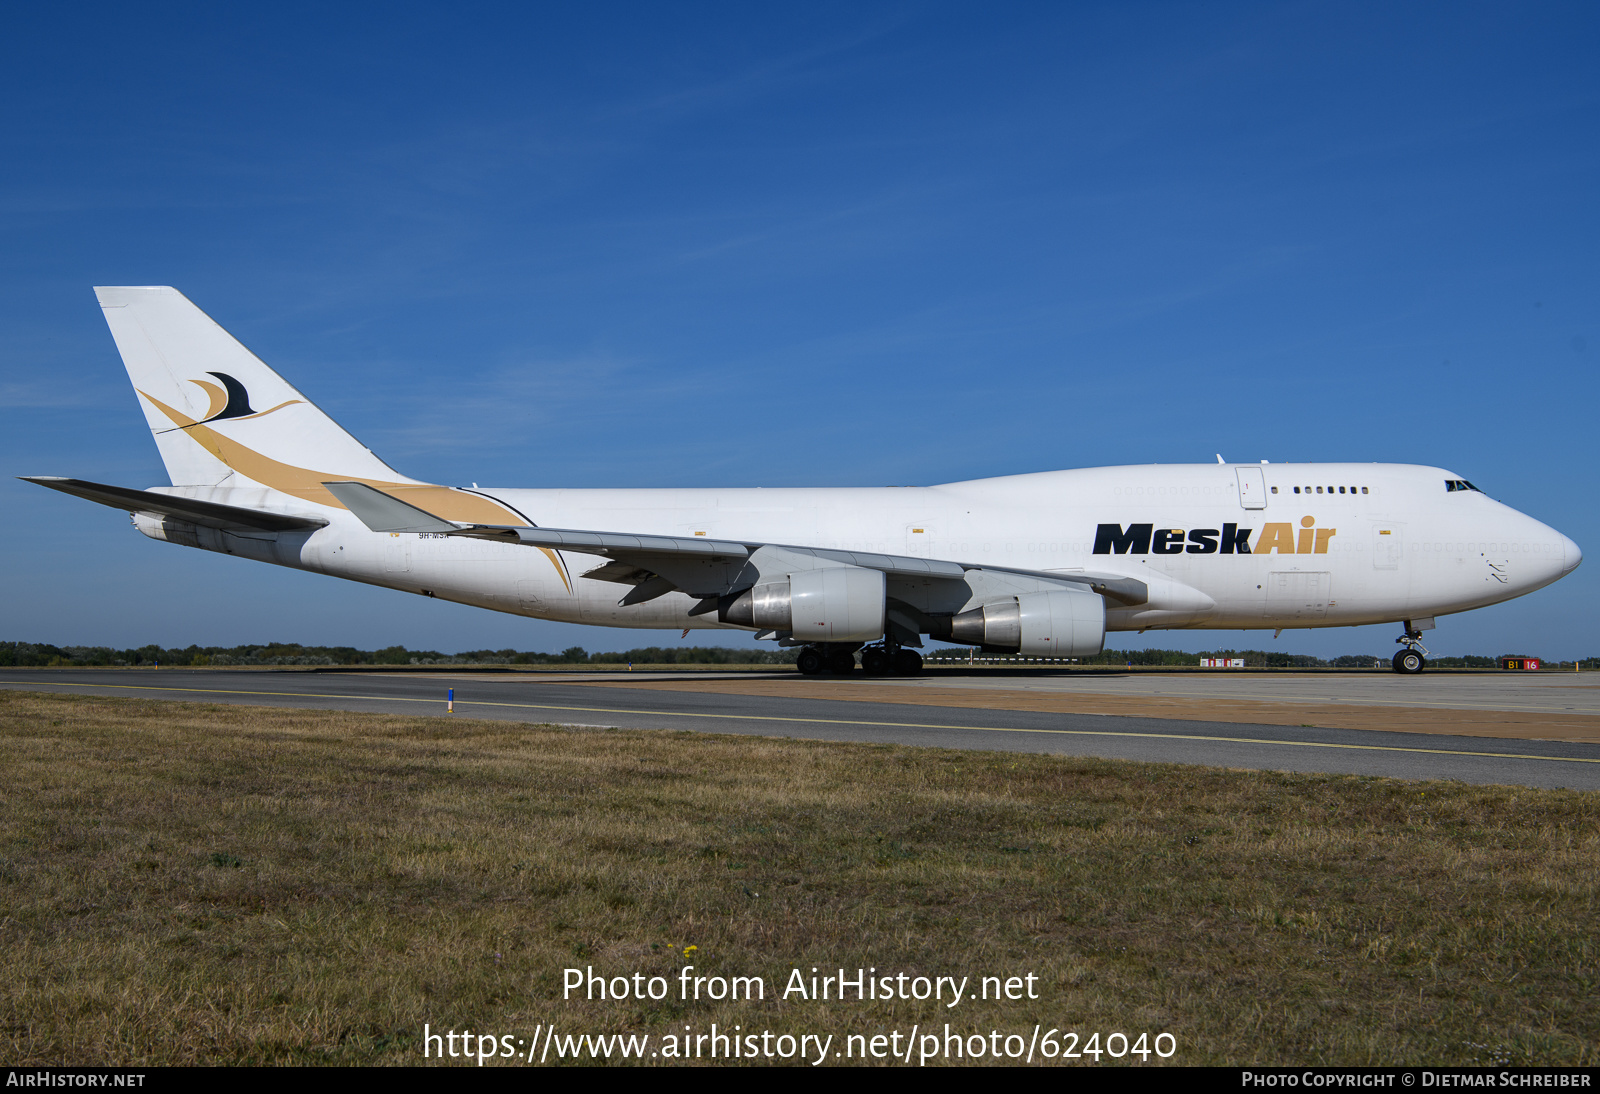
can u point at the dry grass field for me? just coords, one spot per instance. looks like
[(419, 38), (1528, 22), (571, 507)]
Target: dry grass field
[(182, 883)]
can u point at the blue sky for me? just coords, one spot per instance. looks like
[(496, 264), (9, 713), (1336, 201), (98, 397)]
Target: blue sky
[(652, 245)]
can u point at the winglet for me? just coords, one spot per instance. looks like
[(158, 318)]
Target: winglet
[(384, 512)]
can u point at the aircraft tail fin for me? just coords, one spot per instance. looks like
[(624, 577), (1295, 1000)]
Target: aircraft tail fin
[(216, 409)]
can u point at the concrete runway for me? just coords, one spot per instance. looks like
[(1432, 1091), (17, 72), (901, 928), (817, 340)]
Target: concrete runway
[(1553, 692), (917, 712)]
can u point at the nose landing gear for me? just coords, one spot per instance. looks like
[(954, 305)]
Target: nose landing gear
[(1412, 659)]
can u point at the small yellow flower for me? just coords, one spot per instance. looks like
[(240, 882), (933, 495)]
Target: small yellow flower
[(690, 949)]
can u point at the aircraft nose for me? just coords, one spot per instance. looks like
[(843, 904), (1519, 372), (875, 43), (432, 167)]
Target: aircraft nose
[(1571, 556)]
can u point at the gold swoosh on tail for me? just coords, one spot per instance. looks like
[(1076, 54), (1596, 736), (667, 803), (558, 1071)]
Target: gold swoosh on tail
[(219, 402), (305, 484), (264, 413), (219, 398)]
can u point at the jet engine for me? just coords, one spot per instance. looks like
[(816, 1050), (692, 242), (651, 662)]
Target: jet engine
[(1064, 623), (834, 604)]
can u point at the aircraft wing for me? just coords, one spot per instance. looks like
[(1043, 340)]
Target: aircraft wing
[(208, 514), (641, 559)]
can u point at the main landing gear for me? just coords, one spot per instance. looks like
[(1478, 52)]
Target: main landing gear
[(816, 660), (887, 660), (881, 660), (1412, 659)]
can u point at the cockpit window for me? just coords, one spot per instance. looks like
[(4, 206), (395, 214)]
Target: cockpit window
[(1451, 485)]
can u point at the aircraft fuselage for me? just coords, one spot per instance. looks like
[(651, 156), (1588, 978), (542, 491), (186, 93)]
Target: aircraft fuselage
[(1357, 544)]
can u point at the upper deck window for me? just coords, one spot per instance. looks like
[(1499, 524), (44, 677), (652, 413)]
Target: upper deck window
[(1342, 489)]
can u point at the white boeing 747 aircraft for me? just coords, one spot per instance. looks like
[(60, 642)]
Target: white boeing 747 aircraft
[(1041, 565)]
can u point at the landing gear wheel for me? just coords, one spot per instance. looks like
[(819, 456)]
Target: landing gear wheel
[(842, 663), (907, 663), (810, 662), (1408, 662), (874, 662)]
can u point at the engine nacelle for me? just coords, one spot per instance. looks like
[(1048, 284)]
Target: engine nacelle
[(834, 604), (1064, 623)]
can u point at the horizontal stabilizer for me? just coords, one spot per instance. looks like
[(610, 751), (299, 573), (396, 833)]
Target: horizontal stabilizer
[(384, 512), (207, 514)]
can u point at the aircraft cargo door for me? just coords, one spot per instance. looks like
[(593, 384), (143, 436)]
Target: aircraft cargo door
[(1295, 597), (397, 554), (1388, 546), (1252, 488), (919, 539)]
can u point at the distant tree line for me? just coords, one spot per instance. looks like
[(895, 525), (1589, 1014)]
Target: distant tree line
[(34, 654), (1275, 659), (41, 655)]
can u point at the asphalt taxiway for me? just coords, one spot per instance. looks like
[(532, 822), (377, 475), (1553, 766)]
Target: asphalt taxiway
[(1549, 726)]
